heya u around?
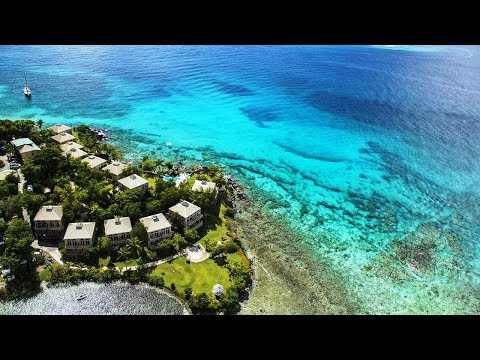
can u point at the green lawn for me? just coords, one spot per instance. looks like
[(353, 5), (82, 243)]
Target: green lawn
[(199, 276), (104, 261), (219, 231), (121, 264)]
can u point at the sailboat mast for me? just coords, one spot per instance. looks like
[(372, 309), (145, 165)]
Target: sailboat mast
[(25, 80)]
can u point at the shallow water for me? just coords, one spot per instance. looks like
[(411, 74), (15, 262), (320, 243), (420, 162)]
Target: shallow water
[(349, 147), (102, 299)]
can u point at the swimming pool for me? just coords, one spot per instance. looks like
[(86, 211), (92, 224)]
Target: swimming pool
[(168, 178)]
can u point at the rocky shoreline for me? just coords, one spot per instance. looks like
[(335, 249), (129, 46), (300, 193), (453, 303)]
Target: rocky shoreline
[(280, 284)]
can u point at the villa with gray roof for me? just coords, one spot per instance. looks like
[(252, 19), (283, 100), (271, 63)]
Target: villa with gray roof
[(60, 128), (118, 230), (203, 185), (116, 168), (69, 145), (190, 214), (25, 147), (94, 161), (63, 137), (74, 152), (79, 236), (158, 228), (132, 182), (48, 222)]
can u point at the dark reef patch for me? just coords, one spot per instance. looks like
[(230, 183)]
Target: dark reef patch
[(309, 155), (259, 116), (233, 89)]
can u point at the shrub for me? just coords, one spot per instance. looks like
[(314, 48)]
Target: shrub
[(188, 293), (199, 303), (173, 287), (230, 212), (157, 281)]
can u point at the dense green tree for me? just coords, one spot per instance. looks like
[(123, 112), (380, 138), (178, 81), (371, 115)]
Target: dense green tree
[(11, 207), (32, 202), (178, 242), (133, 210), (40, 123), (124, 254), (16, 129), (139, 231), (135, 246), (153, 206), (9, 186), (188, 293), (161, 185), (18, 238), (199, 303), (191, 235), (105, 246), (176, 221)]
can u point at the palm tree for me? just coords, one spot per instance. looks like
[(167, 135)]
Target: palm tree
[(40, 123), (124, 254), (134, 245)]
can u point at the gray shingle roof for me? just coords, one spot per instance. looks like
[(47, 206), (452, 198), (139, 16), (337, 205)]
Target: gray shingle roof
[(113, 227), (59, 128), (116, 168), (49, 212), (63, 137), (94, 161), (184, 208), (133, 181), (155, 222), (80, 231)]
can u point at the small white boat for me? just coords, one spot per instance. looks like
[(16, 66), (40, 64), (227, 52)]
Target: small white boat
[(169, 144), (26, 90), (81, 297)]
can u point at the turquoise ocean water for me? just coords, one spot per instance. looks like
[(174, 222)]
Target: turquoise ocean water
[(370, 153)]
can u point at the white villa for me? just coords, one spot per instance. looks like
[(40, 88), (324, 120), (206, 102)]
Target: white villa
[(202, 185), (25, 147), (190, 213), (75, 152), (69, 145), (157, 227), (60, 128), (131, 182), (79, 236), (63, 137), (116, 168), (94, 161), (48, 222), (118, 230)]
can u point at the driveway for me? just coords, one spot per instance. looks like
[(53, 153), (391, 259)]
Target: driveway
[(51, 250)]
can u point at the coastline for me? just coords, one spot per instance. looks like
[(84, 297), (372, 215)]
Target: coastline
[(281, 285)]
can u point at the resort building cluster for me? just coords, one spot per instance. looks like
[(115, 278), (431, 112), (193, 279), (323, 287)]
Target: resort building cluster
[(49, 221)]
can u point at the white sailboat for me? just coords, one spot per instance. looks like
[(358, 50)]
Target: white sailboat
[(26, 90)]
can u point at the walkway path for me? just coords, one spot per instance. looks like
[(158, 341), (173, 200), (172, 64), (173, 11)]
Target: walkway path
[(20, 189), (51, 250), (155, 263)]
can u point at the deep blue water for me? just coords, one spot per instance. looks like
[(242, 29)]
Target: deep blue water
[(363, 144)]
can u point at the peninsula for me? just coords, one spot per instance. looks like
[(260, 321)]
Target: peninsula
[(72, 211)]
